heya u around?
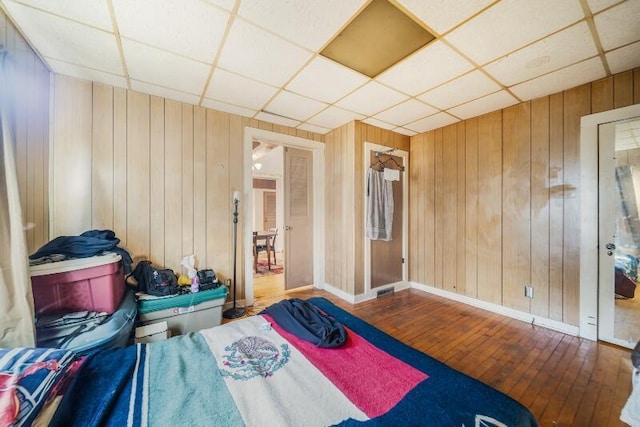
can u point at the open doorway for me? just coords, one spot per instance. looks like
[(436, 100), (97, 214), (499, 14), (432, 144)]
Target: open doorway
[(268, 219), (301, 232)]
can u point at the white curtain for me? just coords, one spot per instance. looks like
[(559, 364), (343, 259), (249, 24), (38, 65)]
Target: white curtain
[(16, 300)]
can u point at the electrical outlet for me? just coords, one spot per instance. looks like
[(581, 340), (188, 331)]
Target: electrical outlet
[(528, 291)]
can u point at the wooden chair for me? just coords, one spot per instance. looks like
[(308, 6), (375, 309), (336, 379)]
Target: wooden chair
[(268, 246)]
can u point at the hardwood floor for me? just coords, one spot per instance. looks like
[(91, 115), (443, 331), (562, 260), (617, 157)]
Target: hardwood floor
[(563, 380)]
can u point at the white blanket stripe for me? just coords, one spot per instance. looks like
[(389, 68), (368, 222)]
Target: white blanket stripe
[(283, 397)]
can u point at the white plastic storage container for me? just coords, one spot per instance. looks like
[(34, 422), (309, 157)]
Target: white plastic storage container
[(184, 313)]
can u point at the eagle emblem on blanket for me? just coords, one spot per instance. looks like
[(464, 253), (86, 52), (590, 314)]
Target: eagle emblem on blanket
[(253, 356)]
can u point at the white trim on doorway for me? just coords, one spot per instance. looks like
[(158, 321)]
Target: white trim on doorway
[(368, 148), (589, 214), (317, 148)]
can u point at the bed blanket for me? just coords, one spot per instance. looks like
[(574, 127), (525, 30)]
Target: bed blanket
[(253, 372)]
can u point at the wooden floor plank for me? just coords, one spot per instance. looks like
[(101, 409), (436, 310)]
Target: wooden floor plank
[(565, 381)]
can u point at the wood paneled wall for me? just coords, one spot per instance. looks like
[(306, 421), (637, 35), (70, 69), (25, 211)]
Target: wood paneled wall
[(344, 201), (158, 172), (495, 200), (28, 85)]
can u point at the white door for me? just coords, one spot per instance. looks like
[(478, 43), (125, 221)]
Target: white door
[(619, 233), (298, 217)]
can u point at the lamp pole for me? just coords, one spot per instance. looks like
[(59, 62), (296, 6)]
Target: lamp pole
[(235, 312)]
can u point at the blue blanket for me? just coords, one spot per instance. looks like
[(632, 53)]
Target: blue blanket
[(186, 381)]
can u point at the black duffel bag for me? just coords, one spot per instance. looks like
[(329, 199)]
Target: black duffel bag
[(154, 281)]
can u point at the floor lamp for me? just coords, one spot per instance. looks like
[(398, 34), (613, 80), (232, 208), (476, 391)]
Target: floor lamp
[(234, 312)]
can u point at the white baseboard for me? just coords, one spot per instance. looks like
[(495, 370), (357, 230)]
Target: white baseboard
[(339, 293), (494, 308), (499, 309)]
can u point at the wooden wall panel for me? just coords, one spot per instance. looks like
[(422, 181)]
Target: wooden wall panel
[(415, 151), (622, 89), (449, 208), (636, 86), (353, 197), (428, 214), (577, 103), (556, 204), (138, 180), (516, 207), (171, 160), (602, 95), (186, 193), (157, 180), (72, 158), (540, 196), (471, 208), (521, 203), (490, 207), (236, 176), (199, 162), (219, 203), (460, 257), (120, 177), (440, 215), (102, 152)]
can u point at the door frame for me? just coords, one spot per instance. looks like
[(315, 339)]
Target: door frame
[(368, 148), (589, 232), (317, 149)]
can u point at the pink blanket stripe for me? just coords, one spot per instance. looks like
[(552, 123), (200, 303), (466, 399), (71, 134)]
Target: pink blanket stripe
[(372, 379)]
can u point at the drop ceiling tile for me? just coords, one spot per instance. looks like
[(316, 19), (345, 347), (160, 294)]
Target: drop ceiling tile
[(310, 23), (625, 58), (371, 99), (272, 118), (325, 80), (237, 90), (463, 89), (597, 5), (406, 112), (405, 131), (295, 106), (557, 81), (84, 73), (313, 128), (510, 25), (483, 105), (90, 12), (619, 25), (165, 69), (260, 55), (432, 122), (429, 67), (378, 123), (164, 92), (188, 28), (547, 55), (225, 4), (228, 108), (67, 41), (334, 117), (442, 15)]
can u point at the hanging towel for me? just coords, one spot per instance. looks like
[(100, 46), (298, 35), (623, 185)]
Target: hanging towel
[(379, 206), (391, 174)]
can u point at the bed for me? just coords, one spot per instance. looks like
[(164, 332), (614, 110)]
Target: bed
[(253, 371)]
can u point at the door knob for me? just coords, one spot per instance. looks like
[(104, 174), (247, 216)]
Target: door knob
[(610, 246), (288, 227)]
